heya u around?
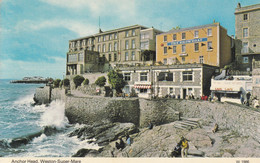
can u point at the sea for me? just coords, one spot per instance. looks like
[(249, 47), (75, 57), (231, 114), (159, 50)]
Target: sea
[(19, 118)]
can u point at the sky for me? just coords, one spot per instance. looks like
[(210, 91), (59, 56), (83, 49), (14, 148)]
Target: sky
[(34, 34)]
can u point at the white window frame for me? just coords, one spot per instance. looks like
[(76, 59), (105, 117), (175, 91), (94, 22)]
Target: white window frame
[(187, 76), (133, 32), (165, 38), (183, 36), (104, 48), (174, 49), (110, 47), (164, 51), (110, 36), (201, 59), (245, 59), (196, 50), (245, 34), (165, 61), (126, 44), (126, 56), (174, 37), (245, 15), (133, 55), (127, 75), (196, 34), (209, 32), (115, 46), (104, 38), (133, 43), (115, 36), (209, 44), (126, 33), (183, 48), (145, 75)]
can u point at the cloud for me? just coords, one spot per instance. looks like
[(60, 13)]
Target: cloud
[(122, 8), (74, 26), (32, 68)]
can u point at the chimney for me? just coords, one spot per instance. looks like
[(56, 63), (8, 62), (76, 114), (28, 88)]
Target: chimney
[(238, 5)]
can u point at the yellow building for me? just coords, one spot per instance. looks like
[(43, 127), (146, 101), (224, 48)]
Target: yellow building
[(208, 44)]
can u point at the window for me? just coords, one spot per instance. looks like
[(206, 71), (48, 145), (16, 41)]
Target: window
[(183, 36), (99, 48), (143, 76), (115, 46), (126, 56), (115, 36), (209, 32), (245, 47), (133, 44), (245, 59), (165, 76), (144, 45), (174, 37), (104, 48), (99, 38), (72, 58), (183, 48), (133, 32), (165, 50), (174, 49), (133, 55), (245, 16), (126, 44), (109, 57), (165, 61), (187, 75), (127, 77), (196, 47), (90, 41), (201, 60), (126, 33), (110, 37), (245, 32), (80, 57), (183, 59), (143, 90), (115, 57), (110, 47), (104, 38), (196, 34), (165, 38), (210, 45)]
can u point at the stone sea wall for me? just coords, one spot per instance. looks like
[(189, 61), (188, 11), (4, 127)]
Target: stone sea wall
[(90, 110)]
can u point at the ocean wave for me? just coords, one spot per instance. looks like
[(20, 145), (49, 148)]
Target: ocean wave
[(55, 115)]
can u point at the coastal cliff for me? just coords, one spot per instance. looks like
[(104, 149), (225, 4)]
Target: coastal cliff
[(238, 125)]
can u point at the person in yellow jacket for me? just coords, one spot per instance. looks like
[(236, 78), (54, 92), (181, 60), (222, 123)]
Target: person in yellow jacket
[(184, 147)]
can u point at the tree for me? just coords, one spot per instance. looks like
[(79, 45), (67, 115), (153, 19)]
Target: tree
[(66, 82), (86, 82), (116, 80), (56, 83), (101, 81), (78, 80)]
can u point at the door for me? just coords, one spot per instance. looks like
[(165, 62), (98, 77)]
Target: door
[(184, 93)]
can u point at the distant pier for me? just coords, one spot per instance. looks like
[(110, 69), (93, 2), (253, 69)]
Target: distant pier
[(30, 81)]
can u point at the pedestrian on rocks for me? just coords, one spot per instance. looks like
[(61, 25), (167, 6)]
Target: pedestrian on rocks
[(121, 144), (242, 99), (128, 140), (150, 125), (215, 128), (184, 147)]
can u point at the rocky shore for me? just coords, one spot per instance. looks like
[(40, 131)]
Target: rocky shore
[(108, 119)]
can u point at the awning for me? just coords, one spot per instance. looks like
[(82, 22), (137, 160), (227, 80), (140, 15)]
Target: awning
[(143, 86), (223, 91)]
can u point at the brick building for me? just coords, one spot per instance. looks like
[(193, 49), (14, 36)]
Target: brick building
[(208, 44), (247, 35)]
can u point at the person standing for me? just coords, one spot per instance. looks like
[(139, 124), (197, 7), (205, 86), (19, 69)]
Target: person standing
[(184, 147)]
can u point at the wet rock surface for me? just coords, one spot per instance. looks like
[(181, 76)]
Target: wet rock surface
[(161, 140)]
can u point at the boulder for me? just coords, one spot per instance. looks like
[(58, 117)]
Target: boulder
[(199, 138), (86, 152)]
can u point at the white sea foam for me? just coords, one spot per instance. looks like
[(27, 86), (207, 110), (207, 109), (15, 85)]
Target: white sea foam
[(55, 115), (25, 100), (39, 139)]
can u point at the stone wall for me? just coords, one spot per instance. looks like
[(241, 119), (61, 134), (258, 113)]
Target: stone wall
[(42, 95), (90, 110), (234, 117), (157, 112), (58, 94)]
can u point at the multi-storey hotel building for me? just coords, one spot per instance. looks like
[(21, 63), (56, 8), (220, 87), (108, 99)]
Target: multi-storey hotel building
[(208, 44), (104, 50), (247, 35)]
